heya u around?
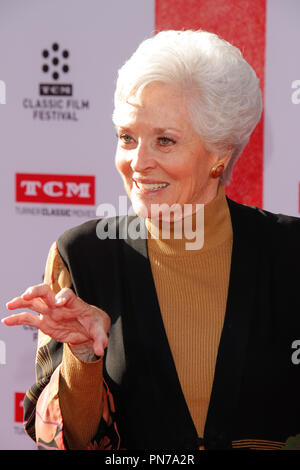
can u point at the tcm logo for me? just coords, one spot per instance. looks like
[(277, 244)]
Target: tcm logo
[(2, 92), (57, 189), (55, 66), (19, 398)]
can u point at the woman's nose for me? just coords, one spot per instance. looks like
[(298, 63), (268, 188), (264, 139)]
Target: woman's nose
[(141, 158)]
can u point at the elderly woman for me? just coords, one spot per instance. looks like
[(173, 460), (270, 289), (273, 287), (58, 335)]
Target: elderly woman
[(145, 344)]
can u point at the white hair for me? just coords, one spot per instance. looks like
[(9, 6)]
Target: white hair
[(225, 98)]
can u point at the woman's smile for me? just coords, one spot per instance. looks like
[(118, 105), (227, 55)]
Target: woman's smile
[(147, 187)]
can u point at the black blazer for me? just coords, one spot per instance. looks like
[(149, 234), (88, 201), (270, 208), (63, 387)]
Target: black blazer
[(255, 395)]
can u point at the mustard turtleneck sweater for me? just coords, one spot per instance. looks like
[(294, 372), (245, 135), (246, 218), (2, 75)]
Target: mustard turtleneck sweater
[(192, 290), (192, 287)]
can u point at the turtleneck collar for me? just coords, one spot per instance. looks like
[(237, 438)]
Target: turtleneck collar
[(204, 230)]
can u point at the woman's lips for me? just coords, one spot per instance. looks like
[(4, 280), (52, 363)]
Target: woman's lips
[(149, 187)]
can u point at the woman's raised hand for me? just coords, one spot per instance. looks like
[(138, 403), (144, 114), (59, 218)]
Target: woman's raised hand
[(64, 317)]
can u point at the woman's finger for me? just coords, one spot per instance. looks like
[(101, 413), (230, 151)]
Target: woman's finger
[(99, 345), (37, 305), (24, 318), (43, 291), (64, 296), (16, 302)]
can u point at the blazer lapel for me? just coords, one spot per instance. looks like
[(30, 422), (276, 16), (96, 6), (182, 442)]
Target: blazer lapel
[(234, 337)]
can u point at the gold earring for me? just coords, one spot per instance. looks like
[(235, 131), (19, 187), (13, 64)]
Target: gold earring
[(217, 170)]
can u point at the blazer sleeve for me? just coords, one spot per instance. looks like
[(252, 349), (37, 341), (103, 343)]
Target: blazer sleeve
[(69, 406)]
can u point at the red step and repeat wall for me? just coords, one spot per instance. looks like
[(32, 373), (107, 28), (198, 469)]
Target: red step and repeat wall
[(58, 66)]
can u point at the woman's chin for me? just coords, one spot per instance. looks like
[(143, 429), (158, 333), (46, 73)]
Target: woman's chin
[(163, 211), (140, 209)]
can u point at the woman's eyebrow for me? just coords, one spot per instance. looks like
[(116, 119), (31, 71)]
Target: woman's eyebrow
[(162, 130), (122, 128)]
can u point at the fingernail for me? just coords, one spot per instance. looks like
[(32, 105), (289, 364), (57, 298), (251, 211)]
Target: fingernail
[(60, 300)]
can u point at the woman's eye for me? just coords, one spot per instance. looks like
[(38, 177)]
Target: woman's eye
[(165, 141), (126, 138)]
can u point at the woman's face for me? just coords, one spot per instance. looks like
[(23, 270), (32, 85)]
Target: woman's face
[(160, 157)]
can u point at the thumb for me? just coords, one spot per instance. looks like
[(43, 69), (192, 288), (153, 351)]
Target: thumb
[(100, 342)]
